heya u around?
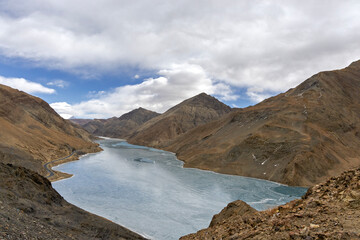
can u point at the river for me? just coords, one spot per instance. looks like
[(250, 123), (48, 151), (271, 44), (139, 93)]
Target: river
[(148, 191)]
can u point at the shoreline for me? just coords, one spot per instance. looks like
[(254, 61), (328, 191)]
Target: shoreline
[(202, 169), (58, 175)]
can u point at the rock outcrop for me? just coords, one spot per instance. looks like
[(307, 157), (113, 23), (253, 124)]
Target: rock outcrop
[(31, 209), (330, 210)]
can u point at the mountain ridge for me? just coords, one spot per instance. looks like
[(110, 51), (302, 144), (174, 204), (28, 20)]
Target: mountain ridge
[(299, 137), (118, 127), (33, 133), (179, 119)]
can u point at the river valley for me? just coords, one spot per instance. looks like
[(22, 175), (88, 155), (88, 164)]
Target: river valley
[(148, 191)]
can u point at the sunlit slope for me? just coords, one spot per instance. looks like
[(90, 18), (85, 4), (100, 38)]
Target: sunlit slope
[(179, 119), (300, 137), (33, 133)]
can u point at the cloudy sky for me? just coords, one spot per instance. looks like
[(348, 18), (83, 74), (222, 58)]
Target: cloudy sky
[(102, 58)]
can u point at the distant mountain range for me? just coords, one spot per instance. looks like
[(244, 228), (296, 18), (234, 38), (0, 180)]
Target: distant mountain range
[(300, 137), (144, 127), (179, 119), (121, 127)]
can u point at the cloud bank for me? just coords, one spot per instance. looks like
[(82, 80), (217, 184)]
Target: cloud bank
[(26, 85), (263, 46), (156, 94)]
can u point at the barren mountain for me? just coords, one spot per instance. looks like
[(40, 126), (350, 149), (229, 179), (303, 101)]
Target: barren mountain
[(300, 137), (181, 118), (93, 125), (32, 209), (80, 121), (120, 127), (330, 210), (32, 133)]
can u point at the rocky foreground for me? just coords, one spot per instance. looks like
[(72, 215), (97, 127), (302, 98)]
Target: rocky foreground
[(31, 209), (330, 210)]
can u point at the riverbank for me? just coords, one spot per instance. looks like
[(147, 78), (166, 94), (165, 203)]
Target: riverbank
[(54, 175)]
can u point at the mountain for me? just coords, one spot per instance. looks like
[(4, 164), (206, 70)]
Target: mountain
[(330, 210), (32, 209), (179, 119), (32, 133), (120, 127), (300, 137), (79, 121), (93, 125)]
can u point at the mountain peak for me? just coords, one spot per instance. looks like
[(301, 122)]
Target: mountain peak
[(139, 115), (202, 100), (179, 119)]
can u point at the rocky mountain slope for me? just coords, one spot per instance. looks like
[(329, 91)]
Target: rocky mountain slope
[(120, 127), (32, 133), (187, 115), (32, 209), (330, 210), (80, 121), (300, 137)]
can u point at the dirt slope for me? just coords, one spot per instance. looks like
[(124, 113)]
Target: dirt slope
[(32, 133), (300, 137), (32, 209), (187, 115)]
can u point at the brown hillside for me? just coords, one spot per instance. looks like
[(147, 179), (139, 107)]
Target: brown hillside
[(181, 118), (32, 209), (327, 211), (32, 133), (300, 137), (95, 124), (120, 127), (79, 121)]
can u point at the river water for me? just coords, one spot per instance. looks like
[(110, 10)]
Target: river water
[(148, 191)]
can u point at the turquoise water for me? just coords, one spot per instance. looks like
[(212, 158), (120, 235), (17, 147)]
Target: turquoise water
[(148, 191)]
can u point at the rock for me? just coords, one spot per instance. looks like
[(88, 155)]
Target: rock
[(312, 226), (311, 217), (239, 208), (38, 206)]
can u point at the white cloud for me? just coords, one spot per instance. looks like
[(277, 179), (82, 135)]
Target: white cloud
[(269, 44), (63, 109), (58, 83), (157, 94), (257, 94), (136, 76), (25, 85)]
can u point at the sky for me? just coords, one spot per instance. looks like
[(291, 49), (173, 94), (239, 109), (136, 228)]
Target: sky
[(99, 59)]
